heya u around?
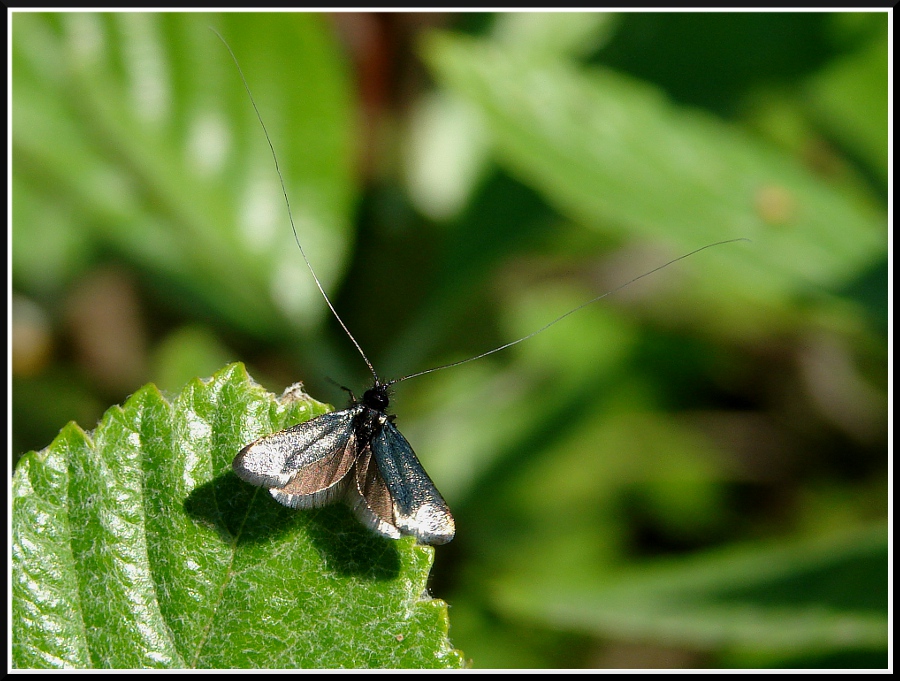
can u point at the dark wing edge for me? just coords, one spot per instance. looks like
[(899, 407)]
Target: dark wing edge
[(370, 499), (418, 508)]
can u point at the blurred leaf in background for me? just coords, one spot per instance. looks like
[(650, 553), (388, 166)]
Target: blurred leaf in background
[(139, 169), (726, 413)]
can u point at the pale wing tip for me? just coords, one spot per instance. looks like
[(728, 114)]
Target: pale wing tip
[(432, 524), (258, 465)]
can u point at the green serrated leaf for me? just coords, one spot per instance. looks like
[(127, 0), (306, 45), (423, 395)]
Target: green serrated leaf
[(136, 546)]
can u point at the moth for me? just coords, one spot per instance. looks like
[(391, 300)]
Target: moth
[(357, 454)]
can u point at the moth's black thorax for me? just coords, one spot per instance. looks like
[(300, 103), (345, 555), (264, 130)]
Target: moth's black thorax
[(371, 419), (377, 397)]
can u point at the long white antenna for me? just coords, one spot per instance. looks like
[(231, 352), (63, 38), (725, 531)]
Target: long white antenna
[(341, 321), (290, 214), (563, 316)]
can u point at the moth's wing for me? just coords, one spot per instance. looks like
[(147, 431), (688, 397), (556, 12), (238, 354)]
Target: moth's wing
[(272, 460), (305, 465), (320, 482), (369, 497), (418, 508)]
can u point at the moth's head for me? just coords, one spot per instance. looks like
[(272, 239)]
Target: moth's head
[(377, 397)]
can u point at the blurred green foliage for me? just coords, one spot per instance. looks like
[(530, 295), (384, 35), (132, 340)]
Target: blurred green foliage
[(728, 412)]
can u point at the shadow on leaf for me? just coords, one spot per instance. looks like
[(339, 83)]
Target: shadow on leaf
[(236, 509)]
